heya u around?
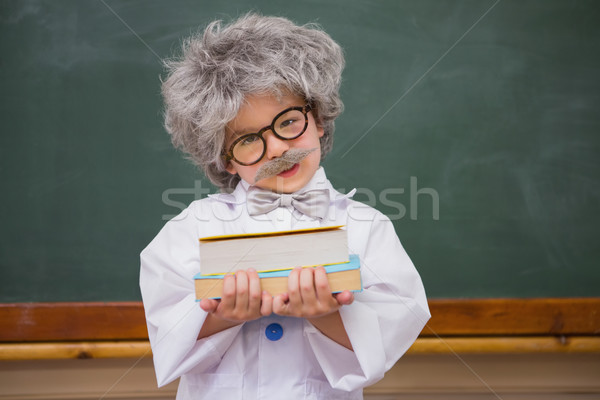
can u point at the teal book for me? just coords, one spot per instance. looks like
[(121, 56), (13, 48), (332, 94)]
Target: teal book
[(342, 276)]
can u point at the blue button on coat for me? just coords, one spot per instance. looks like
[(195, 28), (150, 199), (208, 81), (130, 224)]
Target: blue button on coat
[(274, 332)]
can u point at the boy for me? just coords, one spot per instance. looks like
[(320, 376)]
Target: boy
[(253, 104)]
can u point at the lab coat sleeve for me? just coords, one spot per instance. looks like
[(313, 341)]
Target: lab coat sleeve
[(173, 316), (385, 318)]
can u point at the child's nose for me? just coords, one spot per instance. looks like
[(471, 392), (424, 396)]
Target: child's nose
[(275, 146)]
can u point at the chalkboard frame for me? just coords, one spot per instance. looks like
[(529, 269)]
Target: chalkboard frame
[(558, 317)]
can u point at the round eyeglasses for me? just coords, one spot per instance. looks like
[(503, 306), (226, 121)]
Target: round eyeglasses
[(250, 148)]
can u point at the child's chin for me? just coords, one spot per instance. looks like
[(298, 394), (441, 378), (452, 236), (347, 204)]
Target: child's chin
[(278, 184)]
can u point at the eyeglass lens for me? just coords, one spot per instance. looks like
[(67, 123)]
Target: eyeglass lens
[(251, 148)]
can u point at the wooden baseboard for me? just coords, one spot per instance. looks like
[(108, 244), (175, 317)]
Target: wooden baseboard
[(32, 322), (74, 350), (507, 317), (477, 325), (452, 345)]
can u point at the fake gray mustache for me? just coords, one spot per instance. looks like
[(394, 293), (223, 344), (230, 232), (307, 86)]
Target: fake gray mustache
[(280, 164)]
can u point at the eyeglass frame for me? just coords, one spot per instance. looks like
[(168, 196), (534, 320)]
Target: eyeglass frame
[(304, 110)]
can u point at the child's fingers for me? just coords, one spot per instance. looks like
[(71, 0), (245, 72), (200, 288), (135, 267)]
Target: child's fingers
[(326, 302), (307, 287), (294, 295), (254, 291), (209, 305), (241, 291), (228, 296), (345, 298), (285, 297), (266, 305), (280, 304), (322, 285)]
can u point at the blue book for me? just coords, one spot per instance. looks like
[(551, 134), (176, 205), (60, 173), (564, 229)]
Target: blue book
[(344, 276)]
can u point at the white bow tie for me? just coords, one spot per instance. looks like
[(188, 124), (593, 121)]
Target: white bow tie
[(313, 203)]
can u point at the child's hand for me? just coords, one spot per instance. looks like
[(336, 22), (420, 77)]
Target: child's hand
[(241, 300), (309, 295)]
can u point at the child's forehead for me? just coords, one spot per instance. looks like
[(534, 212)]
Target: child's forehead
[(258, 111)]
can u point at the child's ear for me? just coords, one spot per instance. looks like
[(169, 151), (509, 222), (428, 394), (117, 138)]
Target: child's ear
[(230, 168), (320, 131)]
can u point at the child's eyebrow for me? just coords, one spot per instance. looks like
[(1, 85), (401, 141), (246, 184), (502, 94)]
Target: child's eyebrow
[(231, 135), (237, 133), (244, 131)]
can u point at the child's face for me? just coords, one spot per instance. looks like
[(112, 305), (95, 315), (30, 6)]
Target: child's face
[(255, 114)]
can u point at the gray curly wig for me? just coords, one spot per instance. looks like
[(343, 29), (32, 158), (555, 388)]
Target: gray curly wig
[(206, 87)]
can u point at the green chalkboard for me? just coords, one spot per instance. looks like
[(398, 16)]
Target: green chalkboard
[(474, 124)]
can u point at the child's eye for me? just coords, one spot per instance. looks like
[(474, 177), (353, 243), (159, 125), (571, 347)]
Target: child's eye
[(248, 140), (288, 123)]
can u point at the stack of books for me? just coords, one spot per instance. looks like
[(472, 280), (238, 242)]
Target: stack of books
[(273, 255)]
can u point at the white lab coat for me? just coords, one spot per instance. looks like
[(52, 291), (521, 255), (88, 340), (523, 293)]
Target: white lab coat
[(241, 362)]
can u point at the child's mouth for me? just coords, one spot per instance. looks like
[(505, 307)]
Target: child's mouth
[(289, 172)]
